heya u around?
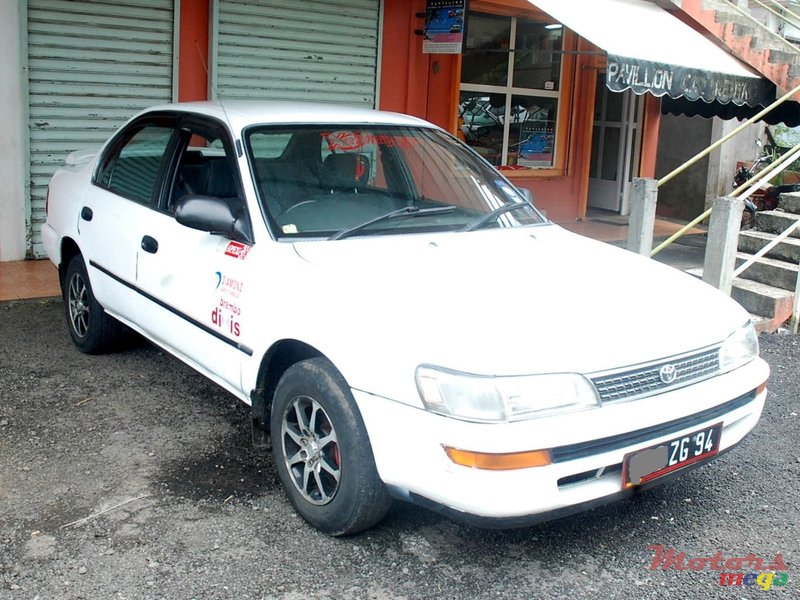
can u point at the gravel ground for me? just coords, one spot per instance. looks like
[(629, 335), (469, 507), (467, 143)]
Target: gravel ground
[(130, 476)]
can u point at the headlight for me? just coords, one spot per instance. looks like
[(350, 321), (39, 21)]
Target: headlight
[(499, 399), (739, 349)]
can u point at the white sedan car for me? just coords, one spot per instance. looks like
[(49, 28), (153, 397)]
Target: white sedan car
[(402, 320)]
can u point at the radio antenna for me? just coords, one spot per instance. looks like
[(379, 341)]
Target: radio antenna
[(218, 97)]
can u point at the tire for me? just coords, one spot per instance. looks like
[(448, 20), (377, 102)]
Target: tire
[(322, 451), (93, 331)]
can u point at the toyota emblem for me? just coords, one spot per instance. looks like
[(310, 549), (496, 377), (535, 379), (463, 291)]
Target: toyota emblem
[(668, 373)]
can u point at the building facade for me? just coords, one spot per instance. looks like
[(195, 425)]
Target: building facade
[(529, 92)]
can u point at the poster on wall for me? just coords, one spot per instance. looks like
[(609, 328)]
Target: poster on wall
[(444, 26)]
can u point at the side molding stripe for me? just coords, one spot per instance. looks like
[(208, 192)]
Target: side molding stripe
[(173, 310)]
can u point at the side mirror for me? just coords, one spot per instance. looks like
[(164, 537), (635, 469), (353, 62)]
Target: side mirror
[(223, 216)]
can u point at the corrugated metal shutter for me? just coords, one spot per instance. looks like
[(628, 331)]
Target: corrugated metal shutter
[(92, 65), (319, 51)]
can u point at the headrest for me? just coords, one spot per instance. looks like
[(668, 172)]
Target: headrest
[(220, 179), (349, 170)]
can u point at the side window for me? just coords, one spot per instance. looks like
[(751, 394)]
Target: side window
[(204, 168), (131, 169)]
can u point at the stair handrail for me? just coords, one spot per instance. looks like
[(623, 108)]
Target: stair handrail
[(745, 191), (783, 17), (702, 154), (795, 320), (778, 239), (796, 306), (764, 175), (789, 45)]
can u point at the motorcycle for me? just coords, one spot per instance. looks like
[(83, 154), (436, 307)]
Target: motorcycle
[(767, 196)]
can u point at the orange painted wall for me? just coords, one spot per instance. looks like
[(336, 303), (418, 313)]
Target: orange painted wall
[(564, 197), (193, 51), (414, 83), (427, 86), (650, 128)]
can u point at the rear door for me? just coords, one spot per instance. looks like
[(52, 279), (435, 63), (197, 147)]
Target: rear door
[(118, 206)]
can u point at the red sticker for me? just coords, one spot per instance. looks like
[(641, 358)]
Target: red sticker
[(237, 250), (347, 141)]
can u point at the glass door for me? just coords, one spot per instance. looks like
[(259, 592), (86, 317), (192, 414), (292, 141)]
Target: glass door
[(615, 148)]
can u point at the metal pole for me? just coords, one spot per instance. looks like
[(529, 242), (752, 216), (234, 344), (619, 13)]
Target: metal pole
[(679, 233), (767, 173), (724, 139), (796, 305), (783, 18), (746, 265)]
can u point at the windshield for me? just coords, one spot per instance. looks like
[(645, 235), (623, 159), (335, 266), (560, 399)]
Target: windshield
[(337, 181)]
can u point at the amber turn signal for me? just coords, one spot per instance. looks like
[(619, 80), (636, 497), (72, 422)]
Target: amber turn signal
[(761, 388), (499, 462)]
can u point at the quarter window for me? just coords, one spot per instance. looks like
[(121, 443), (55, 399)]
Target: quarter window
[(510, 88), (131, 169)]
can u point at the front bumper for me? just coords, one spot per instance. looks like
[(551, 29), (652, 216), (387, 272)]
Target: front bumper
[(587, 448)]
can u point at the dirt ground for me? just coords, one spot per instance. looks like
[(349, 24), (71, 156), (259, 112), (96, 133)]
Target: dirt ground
[(130, 476)]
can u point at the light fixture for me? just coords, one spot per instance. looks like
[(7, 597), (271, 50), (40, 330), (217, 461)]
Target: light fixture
[(554, 26)]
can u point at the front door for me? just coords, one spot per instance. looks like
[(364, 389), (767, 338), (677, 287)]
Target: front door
[(197, 281), (615, 148)]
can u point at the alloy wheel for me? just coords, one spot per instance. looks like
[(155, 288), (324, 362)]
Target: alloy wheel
[(311, 450), (78, 300)]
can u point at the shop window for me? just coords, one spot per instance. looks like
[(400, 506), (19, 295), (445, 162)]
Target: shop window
[(510, 87)]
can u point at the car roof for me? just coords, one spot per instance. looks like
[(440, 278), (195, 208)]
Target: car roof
[(241, 113)]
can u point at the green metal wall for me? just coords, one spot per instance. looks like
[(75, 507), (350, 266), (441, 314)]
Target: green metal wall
[(91, 66), (317, 51)]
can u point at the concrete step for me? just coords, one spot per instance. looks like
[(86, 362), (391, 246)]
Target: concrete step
[(751, 241), (790, 202), (763, 300), (782, 56), (765, 325), (769, 307), (776, 221), (759, 39), (769, 271), (724, 14)]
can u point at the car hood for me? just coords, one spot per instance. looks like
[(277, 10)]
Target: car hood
[(504, 302)]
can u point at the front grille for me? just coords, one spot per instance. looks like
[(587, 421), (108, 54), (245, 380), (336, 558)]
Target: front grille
[(646, 380)]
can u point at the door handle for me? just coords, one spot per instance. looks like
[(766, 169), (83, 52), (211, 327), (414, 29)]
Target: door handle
[(149, 244), (86, 213)]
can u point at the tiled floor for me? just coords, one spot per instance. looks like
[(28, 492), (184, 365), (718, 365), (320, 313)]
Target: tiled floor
[(39, 279), (28, 279)]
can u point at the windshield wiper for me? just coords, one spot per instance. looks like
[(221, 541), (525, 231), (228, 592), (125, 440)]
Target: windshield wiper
[(407, 211), (500, 210)]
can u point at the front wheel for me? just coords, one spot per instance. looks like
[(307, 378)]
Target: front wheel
[(322, 451), (92, 330)]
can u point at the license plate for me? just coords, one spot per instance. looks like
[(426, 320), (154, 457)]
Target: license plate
[(649, 463)]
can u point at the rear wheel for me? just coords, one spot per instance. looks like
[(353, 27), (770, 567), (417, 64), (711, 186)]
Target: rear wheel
[(92, 330), (322, 451)]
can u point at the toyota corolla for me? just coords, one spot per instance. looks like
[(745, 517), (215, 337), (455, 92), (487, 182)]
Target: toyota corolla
[(402, 320)]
